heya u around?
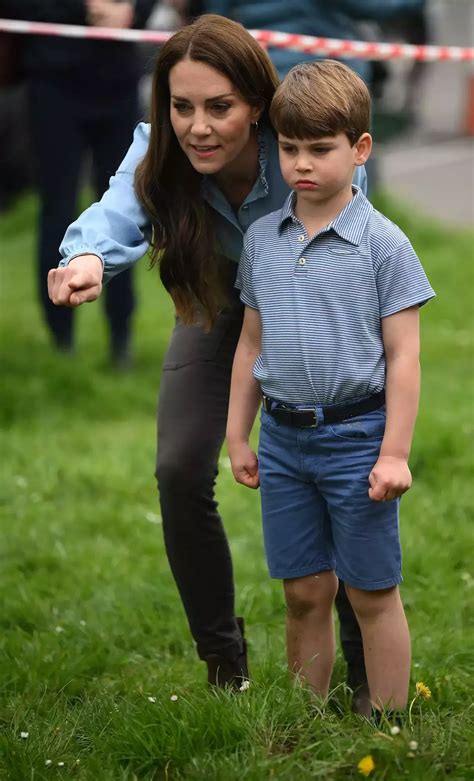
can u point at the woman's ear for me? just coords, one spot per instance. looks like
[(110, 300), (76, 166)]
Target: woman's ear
[(362, 149), (257, 112)]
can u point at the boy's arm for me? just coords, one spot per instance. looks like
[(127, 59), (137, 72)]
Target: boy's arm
[(391, 476), (244, 401)]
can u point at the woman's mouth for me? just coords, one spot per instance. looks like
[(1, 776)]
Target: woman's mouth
[(204, 150)]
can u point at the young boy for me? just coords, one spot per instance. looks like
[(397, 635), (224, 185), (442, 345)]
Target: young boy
[(332, 291)]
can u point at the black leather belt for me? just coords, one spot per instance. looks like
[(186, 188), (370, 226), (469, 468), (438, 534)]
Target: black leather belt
[(308, 418)]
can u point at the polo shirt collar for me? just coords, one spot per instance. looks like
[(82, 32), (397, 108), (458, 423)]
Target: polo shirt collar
[(350, 222)]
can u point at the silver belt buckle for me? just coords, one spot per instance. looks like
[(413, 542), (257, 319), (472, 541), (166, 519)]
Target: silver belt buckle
[(315, 416)]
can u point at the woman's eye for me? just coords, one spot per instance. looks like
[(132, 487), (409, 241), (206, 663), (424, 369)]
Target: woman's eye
[(181, 108), (221, 108)]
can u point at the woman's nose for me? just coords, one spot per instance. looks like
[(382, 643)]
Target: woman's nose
[(200, 125)]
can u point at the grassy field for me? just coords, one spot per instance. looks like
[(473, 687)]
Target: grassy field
[(99, 679)]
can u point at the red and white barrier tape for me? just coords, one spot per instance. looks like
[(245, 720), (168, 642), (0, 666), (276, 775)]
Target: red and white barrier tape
[(364, 50)]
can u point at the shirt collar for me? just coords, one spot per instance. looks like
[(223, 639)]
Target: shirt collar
[(350, 222)]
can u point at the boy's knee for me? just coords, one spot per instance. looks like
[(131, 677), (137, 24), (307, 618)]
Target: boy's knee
[(314, 592), (369, 604)]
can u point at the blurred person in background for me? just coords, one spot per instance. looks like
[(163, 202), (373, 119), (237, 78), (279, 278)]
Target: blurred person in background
[(310, 17), (15, 159), (83, 97), (413, 28)]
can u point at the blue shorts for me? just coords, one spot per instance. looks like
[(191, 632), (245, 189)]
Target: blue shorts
[(317, 514)]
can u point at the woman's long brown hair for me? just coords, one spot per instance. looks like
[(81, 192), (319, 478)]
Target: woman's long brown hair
[(184, 240)]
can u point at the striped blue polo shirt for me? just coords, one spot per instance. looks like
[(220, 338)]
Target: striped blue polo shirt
[(321, 300)]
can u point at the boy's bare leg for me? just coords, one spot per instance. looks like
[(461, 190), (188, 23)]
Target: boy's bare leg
[(310, 628), (387, 649)]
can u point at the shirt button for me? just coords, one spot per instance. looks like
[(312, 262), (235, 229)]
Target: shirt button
[(302, 261), (302, 237)]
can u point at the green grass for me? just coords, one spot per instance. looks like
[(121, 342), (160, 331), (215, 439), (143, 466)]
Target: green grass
[(91, 625)]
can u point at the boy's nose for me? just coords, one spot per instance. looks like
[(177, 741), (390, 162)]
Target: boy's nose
[(303, 164)]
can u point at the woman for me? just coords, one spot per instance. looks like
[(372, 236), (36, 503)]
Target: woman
[(195, 180)]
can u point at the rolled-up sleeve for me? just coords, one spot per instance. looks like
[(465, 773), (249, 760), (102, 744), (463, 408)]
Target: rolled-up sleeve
[(117, 228)]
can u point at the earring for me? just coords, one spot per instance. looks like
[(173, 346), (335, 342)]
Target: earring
[(255, 124)]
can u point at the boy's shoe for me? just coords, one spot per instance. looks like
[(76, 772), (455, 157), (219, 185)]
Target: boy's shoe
[(223, 673)]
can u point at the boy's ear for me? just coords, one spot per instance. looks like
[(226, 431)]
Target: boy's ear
[(363, 148)]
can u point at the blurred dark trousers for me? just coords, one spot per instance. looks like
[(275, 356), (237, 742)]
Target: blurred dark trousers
[(66, 122), (192, 413)]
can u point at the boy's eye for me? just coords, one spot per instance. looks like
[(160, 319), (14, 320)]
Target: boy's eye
[(288, 149), (321, 150)]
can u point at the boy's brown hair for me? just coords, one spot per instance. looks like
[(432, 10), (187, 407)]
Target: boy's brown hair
[(322, 98)]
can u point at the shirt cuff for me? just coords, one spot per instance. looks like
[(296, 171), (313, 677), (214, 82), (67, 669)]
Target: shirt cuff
[(83, 250)]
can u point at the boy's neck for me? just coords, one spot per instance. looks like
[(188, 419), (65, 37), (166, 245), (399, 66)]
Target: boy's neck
[(316, 216)]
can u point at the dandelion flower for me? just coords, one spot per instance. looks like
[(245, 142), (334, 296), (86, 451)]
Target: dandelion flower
[(48, 762), (174, 697), (59, 629), (423, 690), (151, 699), (245, 685), (60, 764), (413, 745), (366, 765), (24, 735), (395, 730)]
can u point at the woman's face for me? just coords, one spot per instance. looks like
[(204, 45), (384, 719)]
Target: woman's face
[(210, 118)]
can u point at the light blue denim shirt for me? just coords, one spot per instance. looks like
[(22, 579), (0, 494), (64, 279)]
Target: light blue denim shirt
[(118, 228)]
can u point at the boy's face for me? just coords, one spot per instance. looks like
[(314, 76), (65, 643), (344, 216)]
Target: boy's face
[(321, 168)]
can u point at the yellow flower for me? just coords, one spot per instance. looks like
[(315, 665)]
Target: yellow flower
[(422, 690), (366, 765)]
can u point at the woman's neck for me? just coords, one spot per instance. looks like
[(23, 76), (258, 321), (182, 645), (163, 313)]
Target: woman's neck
[(237, 179)]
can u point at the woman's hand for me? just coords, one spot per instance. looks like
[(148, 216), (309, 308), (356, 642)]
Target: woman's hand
[(76, 283), (244, 464)]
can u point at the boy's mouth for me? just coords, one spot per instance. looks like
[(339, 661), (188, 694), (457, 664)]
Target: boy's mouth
[(305, 184)]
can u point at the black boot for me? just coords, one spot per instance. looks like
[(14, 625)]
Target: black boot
[(352, 647), (357, 681), (223, 672)]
